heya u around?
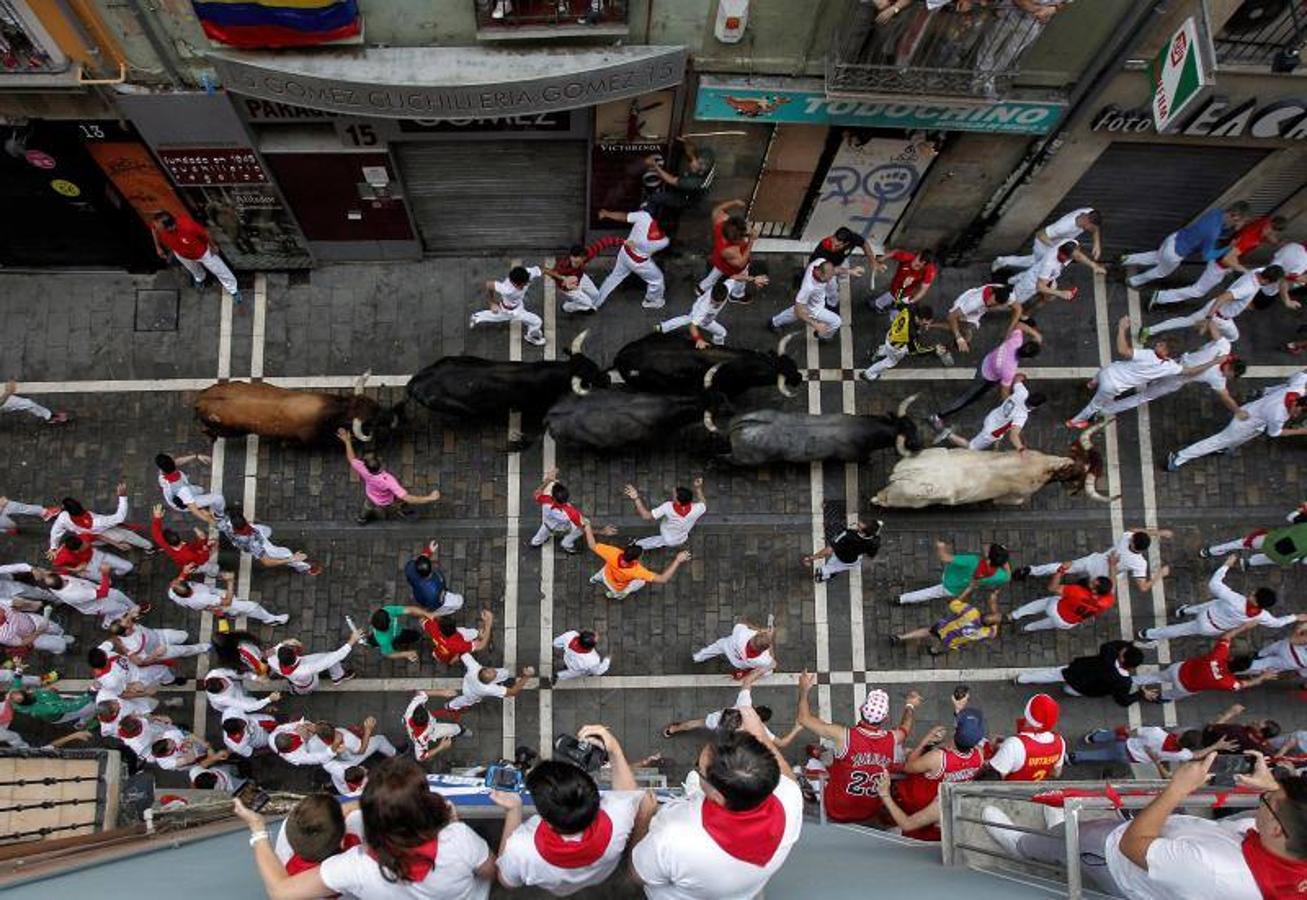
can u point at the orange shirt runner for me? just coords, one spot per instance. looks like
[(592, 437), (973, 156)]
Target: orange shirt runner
[(618, 574)]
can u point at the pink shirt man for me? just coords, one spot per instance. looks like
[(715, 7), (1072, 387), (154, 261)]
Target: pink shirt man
[(1001, 363), (382, 488)]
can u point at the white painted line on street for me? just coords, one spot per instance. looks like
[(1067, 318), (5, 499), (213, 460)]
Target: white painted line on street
[(260, 324), (126, 386), (857, 627), (224, 337), (818, 537), (548, 452), (1149, 485), (1106, 330), (511, 542)]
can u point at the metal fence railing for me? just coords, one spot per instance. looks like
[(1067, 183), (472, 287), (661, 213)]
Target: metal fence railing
[(1264, 33), (509, 14), (22, 51), (920, 51)]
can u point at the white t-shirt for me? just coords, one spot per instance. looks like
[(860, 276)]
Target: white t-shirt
[(580, 662), (1287, 656), (1128, 561), (641, 225), (1065, 229), (1144, 366), (1206, 353), (1269, 411), (1194, 859), (255, 736), (459, 851), (229, 780), (473, 687), (1012, 413), (1242, 291), (1011, 754), (1292, 257), (522, 865), (127, 706), (674, 527), (812, 293), (180, 493), (202, 596), (679, 860), (1150, 737), (971, 304), (1047, 269), (510, 295), (742, 699), (738, 654)]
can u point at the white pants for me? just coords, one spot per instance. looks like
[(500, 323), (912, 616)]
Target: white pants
[(1194, 318), (1047, 606), (655, 285), (175, 646), (213, 262), (1037, 250), (734, 287), (276, 551), (655, 541), (1212, 276), (887, 357), (1169, 679), (1257, 559), (614, 593), (530, 321), (1236, 434), (571, 535), (215, 503), (1148, 393), (121, 535), (17, 508), (601, 668), (1094, 565), (833, 565), (713, 328), (117, 564), (581, 297), (450, 603), (1198, 624), (1164, 260), (53, 639), (12, 739), (15, 403), (921, 596), (252, 610), (721, 647), (1052, 675), (825, 317), (1102, 396)]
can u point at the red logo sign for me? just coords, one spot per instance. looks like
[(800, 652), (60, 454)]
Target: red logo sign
[(1178, 48)]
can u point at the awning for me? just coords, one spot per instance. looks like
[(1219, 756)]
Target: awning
[(450, 83)]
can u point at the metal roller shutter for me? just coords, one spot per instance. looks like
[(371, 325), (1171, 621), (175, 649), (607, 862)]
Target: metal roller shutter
[(1146, 191), (481, 197)]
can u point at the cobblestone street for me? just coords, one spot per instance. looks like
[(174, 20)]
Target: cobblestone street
[(74, 343)]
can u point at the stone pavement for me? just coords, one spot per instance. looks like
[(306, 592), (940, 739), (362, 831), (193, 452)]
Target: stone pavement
[(77, 341)]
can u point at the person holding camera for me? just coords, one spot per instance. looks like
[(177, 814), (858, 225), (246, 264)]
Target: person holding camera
[(578, 837), (730, 839)]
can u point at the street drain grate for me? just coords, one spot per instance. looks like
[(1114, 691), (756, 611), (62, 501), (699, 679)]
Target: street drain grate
[(156, 310)]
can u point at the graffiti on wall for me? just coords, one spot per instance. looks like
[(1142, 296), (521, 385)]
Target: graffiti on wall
[(867, 188)]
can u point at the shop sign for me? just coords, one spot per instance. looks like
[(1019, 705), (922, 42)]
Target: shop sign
[(1178, 76), (218, 165), (723, 101), (545, 121), (1284, 118), (136, 176)]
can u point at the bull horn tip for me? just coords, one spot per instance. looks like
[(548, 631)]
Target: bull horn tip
[(708, 422), (710, 375), (579, 341), (577, 387), (783, 387)]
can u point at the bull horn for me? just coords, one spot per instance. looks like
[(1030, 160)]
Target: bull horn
[(907, 401), (901, 446), (361, 380), (577, 387), (785, 341), (1087, 436), (708, 422), (357, 428), (783, 387), (710, 375), (579, 341), (1091, 490)]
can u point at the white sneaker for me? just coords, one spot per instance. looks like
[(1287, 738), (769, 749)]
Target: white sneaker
[(1004, 837), (280, 620), (538, 340), (502, 8), (869, 375), (653, 304)]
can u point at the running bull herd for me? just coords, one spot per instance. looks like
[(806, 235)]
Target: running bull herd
[(664, 385)]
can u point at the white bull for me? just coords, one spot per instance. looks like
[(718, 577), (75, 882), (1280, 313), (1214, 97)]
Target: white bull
[(956, 477)]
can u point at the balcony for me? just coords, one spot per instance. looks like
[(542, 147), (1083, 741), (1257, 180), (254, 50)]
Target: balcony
[(1264, 34), (25, 48), (950, 53), (535, 20)]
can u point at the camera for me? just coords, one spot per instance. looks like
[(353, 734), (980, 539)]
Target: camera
[(501, 777), (583, 754), (1228, 765)]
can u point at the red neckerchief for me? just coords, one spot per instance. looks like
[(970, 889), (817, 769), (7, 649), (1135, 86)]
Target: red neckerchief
[(750, 652), (1276, 876), (297, 863), (247, 528), (288, 670), (251, 659), (415, 730), (751, 836), (576, 646), (1291, 400), (85, 520), (268, 724), (681, 509), (987, 293), (355, 786), (418, 862), (624, 563), (172, 476), (828, 243), (239, 735), (295, 742), (1251, 609), (984, 569), (1171, 743), (575, 854), (655, 231)]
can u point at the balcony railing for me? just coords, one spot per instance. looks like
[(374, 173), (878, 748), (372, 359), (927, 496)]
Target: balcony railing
[(507, 19), (948, 51), (1264, 33), (22, 48)]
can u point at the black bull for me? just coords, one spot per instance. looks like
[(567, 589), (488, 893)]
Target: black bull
[(671, 364), (771, 436), (612, 419)]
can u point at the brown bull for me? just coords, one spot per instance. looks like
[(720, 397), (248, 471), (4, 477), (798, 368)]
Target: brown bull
[(236, 408)]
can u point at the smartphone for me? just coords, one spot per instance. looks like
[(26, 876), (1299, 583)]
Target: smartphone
[(1228, 765), (504, 778)]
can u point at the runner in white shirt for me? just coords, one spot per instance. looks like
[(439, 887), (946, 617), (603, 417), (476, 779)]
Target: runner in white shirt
[(215, 777), (113, 675), (480, 682), (289, 661), (1137, 368), (139, 733), (181, 495), (810, 302), (201, 597), (1223, 309), (352, 747), (1292, 258), (1130, 560), (10, 507), (694, 849), (507, 303), (577, 838), (88, 597), (1269, 414), (1032, 287), (1215, 377), (77, 520), (970, 307), (675, 517), (580, 658), (746, 647), (299, 744), (429, 737), (703, 315), (145, 646), (1003, 421), (1067, 228), (111, 710), (176, 749), (226, 692), (246, 733), (713, 720), (1226, 610), (1285, 655), (636, 256)]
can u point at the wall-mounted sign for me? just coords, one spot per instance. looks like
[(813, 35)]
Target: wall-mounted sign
[(1220, 117), (1178, 76), (545, 121), (193, 167), (792, 101), (456, 83)]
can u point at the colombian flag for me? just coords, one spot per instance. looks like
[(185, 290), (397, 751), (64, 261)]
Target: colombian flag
[(278, 23)]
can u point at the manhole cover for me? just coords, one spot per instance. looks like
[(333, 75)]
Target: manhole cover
[(156, 310)]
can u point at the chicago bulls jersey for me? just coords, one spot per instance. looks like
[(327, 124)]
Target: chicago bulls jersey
[(1042, 759), (849, 795), (919, 790)]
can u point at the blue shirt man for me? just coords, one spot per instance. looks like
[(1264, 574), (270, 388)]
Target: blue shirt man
[(1202, 236), (428, 584)]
